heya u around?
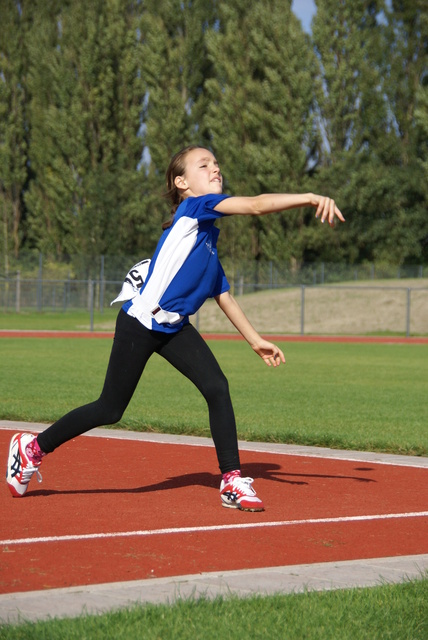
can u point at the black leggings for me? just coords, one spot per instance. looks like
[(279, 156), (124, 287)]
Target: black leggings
[(132, 347)]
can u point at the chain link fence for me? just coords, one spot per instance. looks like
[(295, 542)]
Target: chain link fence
[(317, 298)]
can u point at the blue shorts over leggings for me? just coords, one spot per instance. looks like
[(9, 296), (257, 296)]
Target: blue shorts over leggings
[(133, 345)]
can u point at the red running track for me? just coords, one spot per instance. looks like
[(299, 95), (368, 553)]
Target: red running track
[(115, 510)]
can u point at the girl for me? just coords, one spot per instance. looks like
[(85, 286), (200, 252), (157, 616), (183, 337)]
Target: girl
[(183, 273)]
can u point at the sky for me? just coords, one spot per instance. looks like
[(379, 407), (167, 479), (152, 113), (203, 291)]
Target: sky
[(304, 10)]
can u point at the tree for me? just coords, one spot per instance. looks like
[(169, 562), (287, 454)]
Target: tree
[(86, 116), (421, 117), (174, 65), (405, 68), (347, 39), (370, 143), (14, 171), (261, 116)]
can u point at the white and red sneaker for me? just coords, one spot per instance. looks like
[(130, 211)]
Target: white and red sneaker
[(237, 493), (20, 467)]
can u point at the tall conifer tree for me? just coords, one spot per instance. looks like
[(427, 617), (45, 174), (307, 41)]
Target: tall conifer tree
[(14, 169), (405, 68), (406, 73), (261, 116), (174, 65), (347, 39), (86, 115), (371, 65)]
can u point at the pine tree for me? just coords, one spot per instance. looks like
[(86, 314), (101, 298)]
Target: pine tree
[(174, 66), (261, 116), (14, 170), (86, 116), (405, 67), (347, 39), (421, 118), (369, 162)]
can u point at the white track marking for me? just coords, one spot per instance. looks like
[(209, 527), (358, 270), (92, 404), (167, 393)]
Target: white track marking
[(221, 527)]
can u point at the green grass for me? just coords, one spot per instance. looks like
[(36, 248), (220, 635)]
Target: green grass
[(75, 320), (350, 396), (397, 612)]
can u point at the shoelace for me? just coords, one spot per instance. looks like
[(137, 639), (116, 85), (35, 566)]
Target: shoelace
[(247, 482), (28, 472)]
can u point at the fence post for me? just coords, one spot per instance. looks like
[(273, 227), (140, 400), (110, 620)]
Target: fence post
[(102, 285), (67, 294), (18, 292), (302, 310), (409, 291), (91, 302), (40, 284)]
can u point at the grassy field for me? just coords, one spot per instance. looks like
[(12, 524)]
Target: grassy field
[(396, 612), (350, 396), (355, 396)]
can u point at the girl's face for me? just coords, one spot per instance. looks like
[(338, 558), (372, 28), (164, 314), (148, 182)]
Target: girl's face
[(201, 175)]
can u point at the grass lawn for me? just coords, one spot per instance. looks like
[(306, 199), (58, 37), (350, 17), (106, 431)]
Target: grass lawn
[(396, 612), (351, 396)]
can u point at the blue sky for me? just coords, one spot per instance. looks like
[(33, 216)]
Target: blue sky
[(304, 10)]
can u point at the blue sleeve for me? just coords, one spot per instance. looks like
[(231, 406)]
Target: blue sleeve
[(202, 207), (221, 284)]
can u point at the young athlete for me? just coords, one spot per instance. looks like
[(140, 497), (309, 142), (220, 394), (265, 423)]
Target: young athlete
[(183, 273)]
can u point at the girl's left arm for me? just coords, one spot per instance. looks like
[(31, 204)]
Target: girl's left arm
[(268, 351)]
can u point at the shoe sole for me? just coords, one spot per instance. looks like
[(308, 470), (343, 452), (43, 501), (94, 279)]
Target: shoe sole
[(238, 506)]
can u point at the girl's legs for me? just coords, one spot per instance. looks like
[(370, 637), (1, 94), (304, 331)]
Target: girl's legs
[(189, 353), (132, 347)]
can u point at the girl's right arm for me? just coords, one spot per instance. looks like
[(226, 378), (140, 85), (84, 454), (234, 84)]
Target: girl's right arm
[(275, 202)]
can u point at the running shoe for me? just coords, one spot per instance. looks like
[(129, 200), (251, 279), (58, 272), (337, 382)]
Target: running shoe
[(237, 493), (20, 468)]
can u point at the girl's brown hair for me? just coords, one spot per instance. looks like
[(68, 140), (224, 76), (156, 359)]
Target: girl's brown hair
[(176, 168)]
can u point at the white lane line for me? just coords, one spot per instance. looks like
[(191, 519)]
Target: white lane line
[(222, 527)]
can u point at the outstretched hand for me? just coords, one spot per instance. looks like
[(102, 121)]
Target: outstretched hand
[(327, 209), (269, 352)]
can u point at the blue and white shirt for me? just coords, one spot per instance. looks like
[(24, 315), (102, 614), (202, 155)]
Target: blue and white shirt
[(185, 269)]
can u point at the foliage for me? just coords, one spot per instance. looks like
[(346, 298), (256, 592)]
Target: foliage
[(96, 96), (85, 113), (270, 146), (374, 61)]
